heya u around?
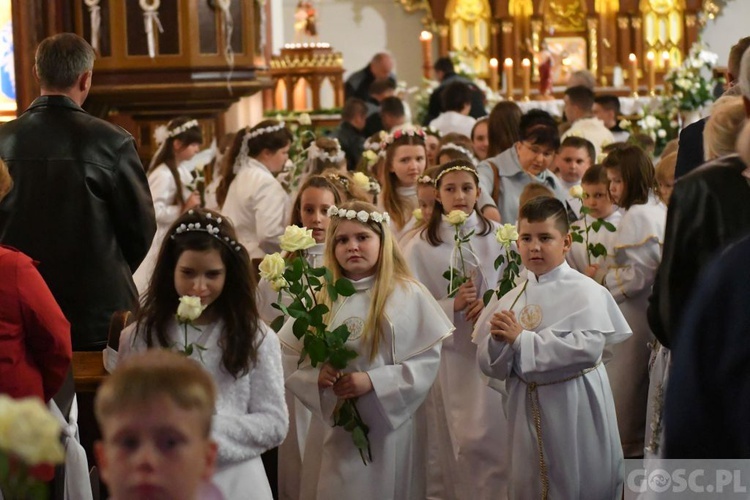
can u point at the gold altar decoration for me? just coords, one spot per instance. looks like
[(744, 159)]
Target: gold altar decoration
[(299, 73), (470, 32)]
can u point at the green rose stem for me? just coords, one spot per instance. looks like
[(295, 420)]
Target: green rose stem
[(460, 252)]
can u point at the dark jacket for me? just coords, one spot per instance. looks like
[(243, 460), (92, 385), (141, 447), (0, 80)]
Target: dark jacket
[(352, 143), (358, 84), (81, 207), (708, 210), (690, 152), (436, 104)]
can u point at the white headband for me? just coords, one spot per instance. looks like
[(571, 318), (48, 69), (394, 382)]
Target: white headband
[(162, 133), (460, 149)]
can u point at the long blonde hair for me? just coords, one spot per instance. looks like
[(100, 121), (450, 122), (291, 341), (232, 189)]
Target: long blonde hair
[(391, 269)]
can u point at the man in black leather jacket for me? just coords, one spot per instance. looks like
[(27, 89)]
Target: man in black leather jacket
[(80, 204)]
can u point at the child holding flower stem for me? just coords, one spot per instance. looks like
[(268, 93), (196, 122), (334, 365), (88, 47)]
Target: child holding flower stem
[(396, 329), (202, 258), (464, 429)]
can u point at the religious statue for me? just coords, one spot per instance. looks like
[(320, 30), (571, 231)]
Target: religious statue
[(544, 63), (305, 20)]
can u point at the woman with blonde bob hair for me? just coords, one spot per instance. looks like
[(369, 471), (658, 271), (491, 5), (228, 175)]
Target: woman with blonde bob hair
[(397, 329), (723, 127)]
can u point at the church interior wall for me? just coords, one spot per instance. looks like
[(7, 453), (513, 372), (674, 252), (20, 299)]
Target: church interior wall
[(729, 26)]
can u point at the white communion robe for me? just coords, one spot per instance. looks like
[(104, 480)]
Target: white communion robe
[(407, 195), (630, 277), (402, 372), (251, 415), (167, 208), (257, 205), (473, 454), (292, 449), (577, 256), (554, 380)]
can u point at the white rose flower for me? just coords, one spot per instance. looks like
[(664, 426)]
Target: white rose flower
[(576, 192), (377, 217), (624, 123), (342, 212), (417, 213), (457, 217), (271, 267), (304, 119), (661, 133), (350, 214), (361, 180), (279, 283), (506, 234), (332, 211), (190, 308), (386, 218), (296, 238), (363, 216), (370, 156), (29, 431)]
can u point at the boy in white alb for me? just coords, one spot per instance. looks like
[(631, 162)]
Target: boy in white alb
[(545, 340)]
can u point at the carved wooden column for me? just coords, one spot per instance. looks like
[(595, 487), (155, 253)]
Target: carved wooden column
[(536, 42), (444, 39), (592, 25), (494, 34), (27, 33), (637, 24), (507, 40), (623, 40), (691, 31)]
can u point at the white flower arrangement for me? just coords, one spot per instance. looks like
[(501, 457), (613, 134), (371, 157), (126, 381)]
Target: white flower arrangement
[(362, 216), (691, 88)]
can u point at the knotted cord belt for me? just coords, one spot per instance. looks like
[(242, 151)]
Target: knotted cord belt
[(531, 392)]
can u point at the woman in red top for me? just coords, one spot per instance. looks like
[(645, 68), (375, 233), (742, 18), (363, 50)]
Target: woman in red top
[(35, 347)]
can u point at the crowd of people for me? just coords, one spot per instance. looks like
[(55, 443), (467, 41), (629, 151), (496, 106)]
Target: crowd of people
[(479, 375)]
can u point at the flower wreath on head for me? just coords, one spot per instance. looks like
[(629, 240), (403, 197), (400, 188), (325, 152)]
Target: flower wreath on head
[(432, 131), (211, 225), (162, 133), (407, 130), (316, 153), (456, 147), (252, 134), (465, 168), (426, 179), (361, 216)]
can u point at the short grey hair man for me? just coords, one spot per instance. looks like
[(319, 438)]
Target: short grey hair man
[(63, 64)]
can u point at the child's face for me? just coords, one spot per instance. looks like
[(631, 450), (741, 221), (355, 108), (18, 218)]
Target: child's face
[(157, 450), (185, 152), (314, 204), (542, 245), (357, 249), (426, 199), (481, 141), (408, 164), (596, 198), (274, 160), (616, 184), (431, 145), (200, 274), (665, 189), (573, 162), (458, 191), (534, 158)]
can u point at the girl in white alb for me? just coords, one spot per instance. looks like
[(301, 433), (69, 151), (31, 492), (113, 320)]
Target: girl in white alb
[(629, 277), (397, 329), (467, 428), (405, 160), (169, 183), (249, 194), (201, 259)]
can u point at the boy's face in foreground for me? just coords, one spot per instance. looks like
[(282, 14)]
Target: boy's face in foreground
[(155, 451), (542, 245)]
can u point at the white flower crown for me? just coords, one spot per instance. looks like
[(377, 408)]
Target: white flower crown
[(455, 147), (465, 168), (362, 216), (409, 130), (425, 179), (162, 133), (208, 228), (252, 134), (315, 153)]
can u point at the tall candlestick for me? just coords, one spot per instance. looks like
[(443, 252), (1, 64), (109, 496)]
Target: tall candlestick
[(634, 74), (526, 65), (493, 74), (425, 39), (651, 69), (508, 78)]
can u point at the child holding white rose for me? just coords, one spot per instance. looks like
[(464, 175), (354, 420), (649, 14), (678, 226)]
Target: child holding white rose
[(169, 181), (206, 271), (466, 427), (396, 328)]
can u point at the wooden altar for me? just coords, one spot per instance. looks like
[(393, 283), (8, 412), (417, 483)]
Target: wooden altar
[(199, 58), (598, 35)]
